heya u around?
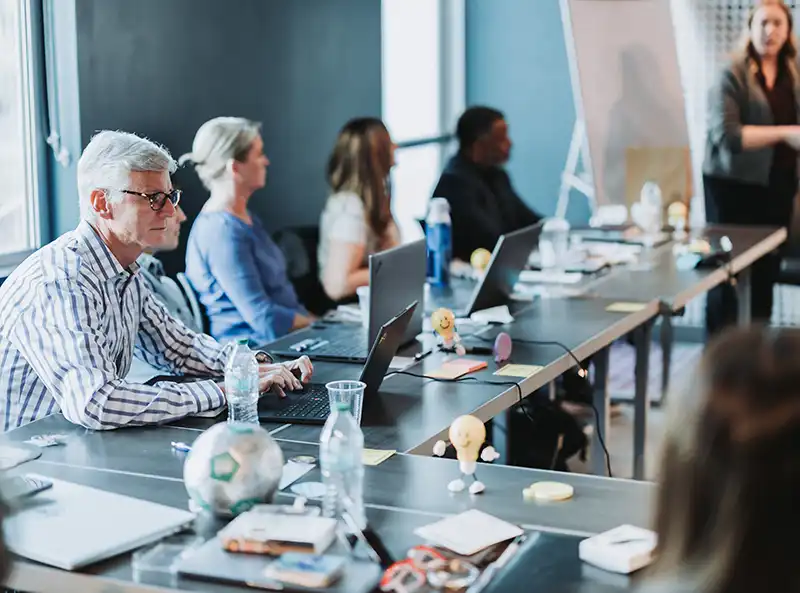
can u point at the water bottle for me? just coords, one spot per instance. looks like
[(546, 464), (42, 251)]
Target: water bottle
[(439, 240), (341, 448), (554, 244), (650, 198), (241, 384)]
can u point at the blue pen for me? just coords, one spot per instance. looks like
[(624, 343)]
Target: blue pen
[(181, 446)]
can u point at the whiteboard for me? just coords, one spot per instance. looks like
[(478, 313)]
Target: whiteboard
[(626, 82)]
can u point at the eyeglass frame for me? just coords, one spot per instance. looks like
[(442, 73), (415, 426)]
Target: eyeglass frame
[(151, 198)]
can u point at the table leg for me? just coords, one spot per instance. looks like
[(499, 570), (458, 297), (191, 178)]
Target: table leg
[(601, 404), (500, 426), (743, 294), (667, 338), (641, 400)]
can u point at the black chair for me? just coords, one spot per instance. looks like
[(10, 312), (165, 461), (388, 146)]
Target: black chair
[(299, 247)]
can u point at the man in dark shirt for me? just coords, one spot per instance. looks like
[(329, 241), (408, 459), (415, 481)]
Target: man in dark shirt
[(483, 204)]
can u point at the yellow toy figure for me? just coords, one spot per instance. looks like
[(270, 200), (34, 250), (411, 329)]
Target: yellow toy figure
[(444, 324), (467, 434)]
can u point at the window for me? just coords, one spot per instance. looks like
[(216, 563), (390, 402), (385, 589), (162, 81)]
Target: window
[(19, 211), (423, 94)]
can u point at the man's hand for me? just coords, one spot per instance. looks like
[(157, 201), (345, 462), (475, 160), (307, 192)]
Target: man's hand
[(282, 376), (300, 366)]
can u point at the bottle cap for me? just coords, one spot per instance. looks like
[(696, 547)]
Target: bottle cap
[(242, 341)]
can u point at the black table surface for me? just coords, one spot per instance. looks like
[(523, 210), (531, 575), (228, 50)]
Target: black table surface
[(411, 413), (402, 482), (675, 287), (401, 494)]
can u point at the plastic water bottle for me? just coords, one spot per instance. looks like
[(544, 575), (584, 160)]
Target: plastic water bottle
[(341, 448), (652, 204), (554, 244), (241, 384), (439, 240)]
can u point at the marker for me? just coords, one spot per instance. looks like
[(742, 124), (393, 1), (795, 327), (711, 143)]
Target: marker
[(181, 446), (319, 344)]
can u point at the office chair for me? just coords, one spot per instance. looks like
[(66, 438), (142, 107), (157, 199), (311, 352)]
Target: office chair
[(299, 247)]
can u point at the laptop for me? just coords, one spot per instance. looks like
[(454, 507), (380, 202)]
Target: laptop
[(396, 278), (71, 526), (311, 406), (509, 258)]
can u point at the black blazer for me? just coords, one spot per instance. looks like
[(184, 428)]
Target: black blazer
[(483, 205)]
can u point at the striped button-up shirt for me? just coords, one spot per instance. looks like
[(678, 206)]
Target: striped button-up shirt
[(71, 318)]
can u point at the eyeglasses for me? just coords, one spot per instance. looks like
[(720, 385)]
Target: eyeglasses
[(158, 199)]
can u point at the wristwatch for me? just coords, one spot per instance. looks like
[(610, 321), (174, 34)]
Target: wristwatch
[(263, 357)]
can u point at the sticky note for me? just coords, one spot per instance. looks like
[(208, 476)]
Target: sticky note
[(626, 307), (376, 456), (518, 370), (453, 369)]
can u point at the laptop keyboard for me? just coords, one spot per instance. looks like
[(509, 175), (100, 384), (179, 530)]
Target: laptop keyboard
[(312, 404), (345, 348)]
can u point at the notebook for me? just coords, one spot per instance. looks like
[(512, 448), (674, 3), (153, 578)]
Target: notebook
[(70, 526)]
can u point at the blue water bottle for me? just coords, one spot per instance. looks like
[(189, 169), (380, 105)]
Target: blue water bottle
[(439, 239)]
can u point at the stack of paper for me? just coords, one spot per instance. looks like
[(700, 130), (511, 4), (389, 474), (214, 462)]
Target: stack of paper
[(468, 533)]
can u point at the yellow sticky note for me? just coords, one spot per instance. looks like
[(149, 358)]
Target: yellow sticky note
[(626, 307), (518, 370), (376, 456)]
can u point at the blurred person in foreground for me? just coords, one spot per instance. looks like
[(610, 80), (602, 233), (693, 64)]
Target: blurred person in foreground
[(727, 515)]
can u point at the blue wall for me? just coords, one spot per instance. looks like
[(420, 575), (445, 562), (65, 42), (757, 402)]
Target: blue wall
[(517, 62), (162, 67)]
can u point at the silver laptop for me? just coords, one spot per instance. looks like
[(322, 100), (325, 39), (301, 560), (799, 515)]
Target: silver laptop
[(70, 526)]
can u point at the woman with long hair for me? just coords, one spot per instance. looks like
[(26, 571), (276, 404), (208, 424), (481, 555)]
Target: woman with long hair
[(232, 263), (727, 512), (750, 170), (357, 219)]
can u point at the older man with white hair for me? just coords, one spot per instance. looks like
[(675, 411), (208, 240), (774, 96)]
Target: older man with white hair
[(75, 312)]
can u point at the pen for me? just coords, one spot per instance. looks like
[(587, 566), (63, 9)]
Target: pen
[(420, 355), (319, 344), (181, 446)]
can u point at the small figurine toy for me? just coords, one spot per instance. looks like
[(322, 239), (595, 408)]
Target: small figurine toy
[(467, 434), (444, 324)]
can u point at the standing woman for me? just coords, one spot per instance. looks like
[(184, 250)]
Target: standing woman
[(750, 171), (231, 261), (357, 219)]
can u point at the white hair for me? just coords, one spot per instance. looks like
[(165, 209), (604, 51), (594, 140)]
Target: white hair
[(110, 158), (217, 142)]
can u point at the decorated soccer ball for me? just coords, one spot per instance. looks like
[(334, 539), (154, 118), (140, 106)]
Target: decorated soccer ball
[(232, 467)]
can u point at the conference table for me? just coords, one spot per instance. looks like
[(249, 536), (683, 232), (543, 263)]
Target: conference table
[(413, 412), (401, 494)]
